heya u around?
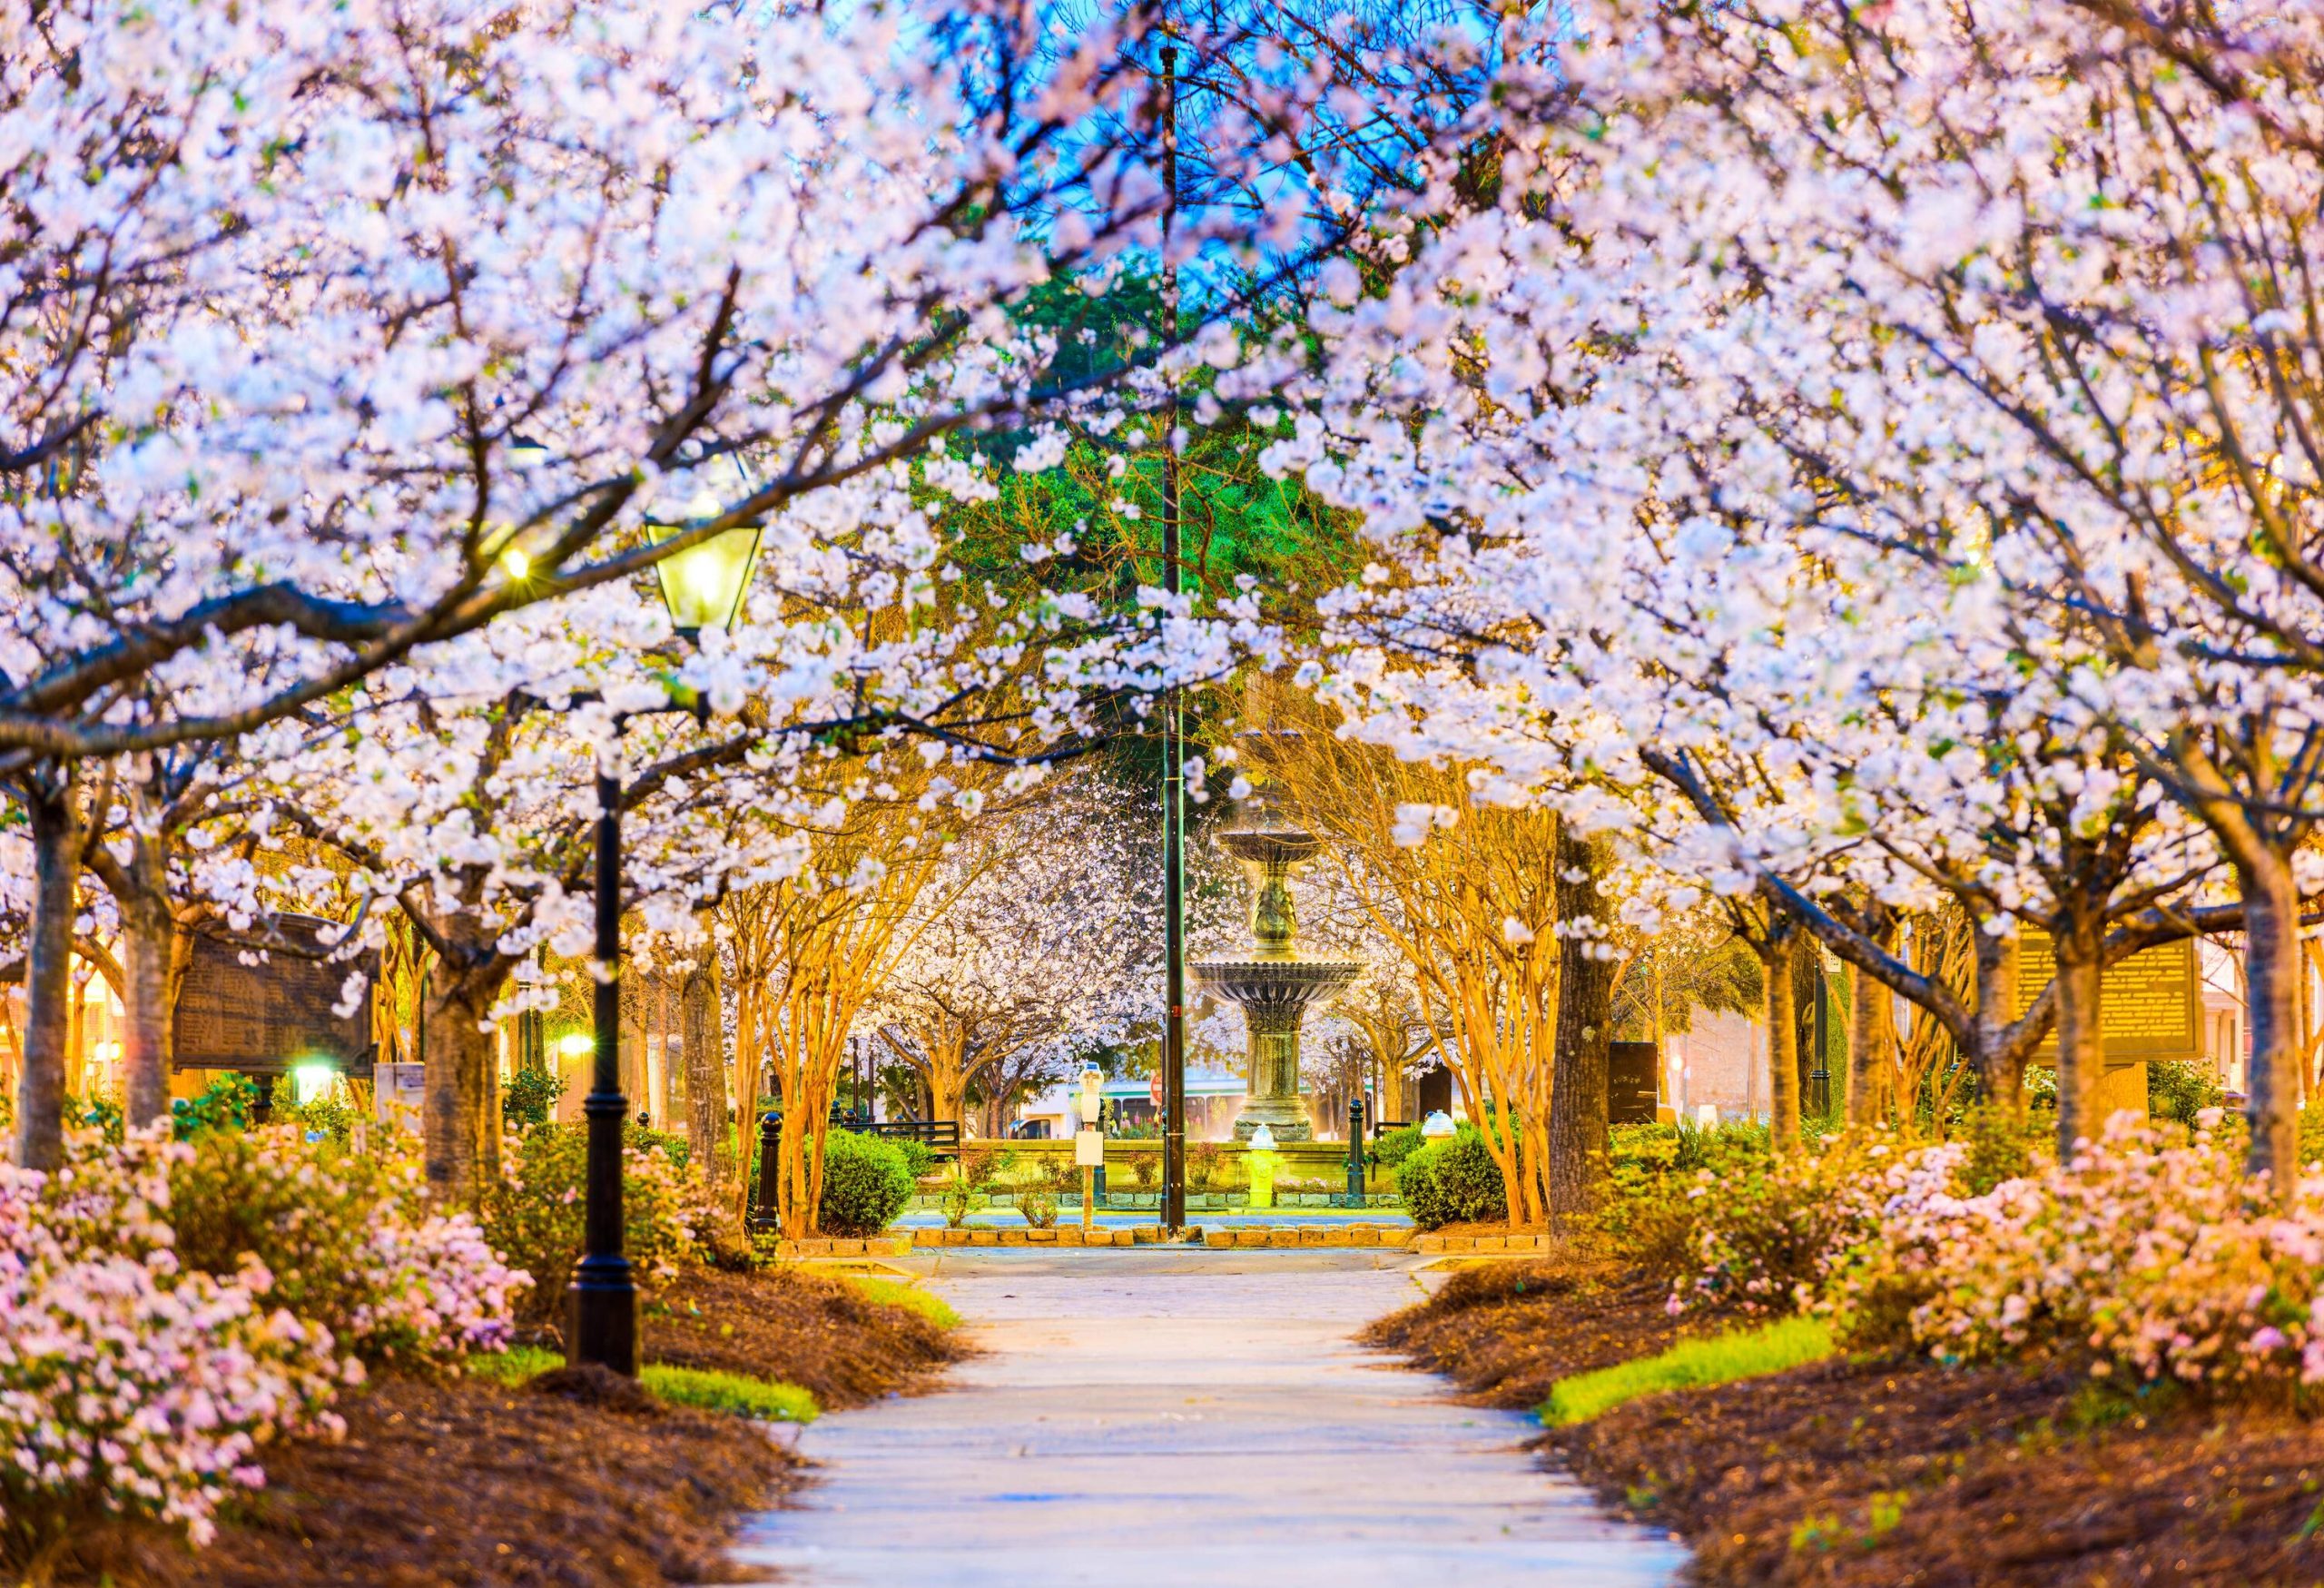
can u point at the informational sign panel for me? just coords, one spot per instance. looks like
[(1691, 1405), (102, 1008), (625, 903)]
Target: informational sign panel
[(2151, 1005), (397, 1092), (1088, 1149), (268, 1011), (1632, 1095)]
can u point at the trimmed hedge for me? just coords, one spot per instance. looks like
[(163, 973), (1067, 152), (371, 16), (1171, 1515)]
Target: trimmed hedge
[(1453, 1181), (866, 1183)]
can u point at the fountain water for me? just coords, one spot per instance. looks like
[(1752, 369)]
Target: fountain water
[(1274, 985)]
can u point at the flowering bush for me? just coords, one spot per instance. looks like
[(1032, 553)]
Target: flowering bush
[(130, 1383), (351, 1243), (1772, 1232), (533, 1214), (2152, 1257)]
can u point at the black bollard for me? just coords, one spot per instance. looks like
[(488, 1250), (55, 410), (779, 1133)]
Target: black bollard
[(1355, 1151), (766, 1215)]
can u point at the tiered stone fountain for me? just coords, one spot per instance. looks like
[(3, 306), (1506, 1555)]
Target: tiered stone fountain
[(1274, 984)]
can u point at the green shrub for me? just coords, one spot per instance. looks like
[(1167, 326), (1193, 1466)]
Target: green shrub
[(1651, 1218), (866, 1183), (959, 1197), (1395, 1146), (225, 1104), (2179, 1090), (530, 1098), (919, 1158), (1040, 1209), (1738, 1353), (533, 1217), (1454, 1180), (328, 1118)]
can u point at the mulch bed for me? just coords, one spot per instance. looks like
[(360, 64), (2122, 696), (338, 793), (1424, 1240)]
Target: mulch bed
[(466, 1483), (579, 1479), (1505, 1332), (1895, 1475), (824, 1333)]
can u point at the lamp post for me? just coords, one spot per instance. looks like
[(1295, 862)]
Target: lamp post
[(1174, 749), (702, 586)]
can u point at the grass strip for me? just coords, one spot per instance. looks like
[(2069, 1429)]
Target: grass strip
[(911, 1297), (1720, 1358), (712, 1391), (684, 1387)]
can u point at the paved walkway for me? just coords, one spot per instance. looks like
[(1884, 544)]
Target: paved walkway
[(1151, 1420)]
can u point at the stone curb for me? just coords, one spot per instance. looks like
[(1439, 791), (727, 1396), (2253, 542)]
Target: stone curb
[(1481, 1243), (1272, 1237)]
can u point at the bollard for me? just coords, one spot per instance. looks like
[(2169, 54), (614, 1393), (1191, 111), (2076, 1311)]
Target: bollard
[(1355, 1151), (766, 1215)]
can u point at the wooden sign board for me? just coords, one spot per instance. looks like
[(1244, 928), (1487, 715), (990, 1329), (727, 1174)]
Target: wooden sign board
[(1633, 1090), (270, 1015), (2151, 1005)]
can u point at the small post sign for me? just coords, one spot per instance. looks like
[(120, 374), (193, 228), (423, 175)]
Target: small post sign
[(1089, 1144)]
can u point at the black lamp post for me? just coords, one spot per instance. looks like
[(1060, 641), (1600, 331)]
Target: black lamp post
[(702, 586)]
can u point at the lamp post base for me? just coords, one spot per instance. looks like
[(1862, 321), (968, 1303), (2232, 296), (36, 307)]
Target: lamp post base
[(601, 1315)]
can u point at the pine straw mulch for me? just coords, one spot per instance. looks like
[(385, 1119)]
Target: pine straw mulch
[(822, 1333), (466, 1483), (1895, 1475), (1505, 1332), (579, 1479)]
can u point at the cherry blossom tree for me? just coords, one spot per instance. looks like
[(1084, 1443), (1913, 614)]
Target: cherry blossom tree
[(1051, 942)]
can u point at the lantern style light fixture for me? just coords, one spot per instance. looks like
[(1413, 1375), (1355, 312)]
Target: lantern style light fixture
[(703, 584)]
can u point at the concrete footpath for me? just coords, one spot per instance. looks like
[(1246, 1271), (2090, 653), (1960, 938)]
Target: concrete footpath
[(1155, 1416)]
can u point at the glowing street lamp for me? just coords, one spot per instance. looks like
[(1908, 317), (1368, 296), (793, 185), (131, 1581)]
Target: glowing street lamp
[(704, 584)]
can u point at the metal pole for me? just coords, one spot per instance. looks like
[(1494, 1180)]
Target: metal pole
[(1174, 810), (1819, 1079), (601, 1303), (1355, 1149)]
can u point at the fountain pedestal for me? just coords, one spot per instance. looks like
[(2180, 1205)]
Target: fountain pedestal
[(1274, 985)]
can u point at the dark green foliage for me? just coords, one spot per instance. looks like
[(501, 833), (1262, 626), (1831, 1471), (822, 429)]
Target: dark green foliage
[(919, 1158), (1650, 1219), (1453, 1181), (329, 1118), (866, 1183), (1395, 1146), (2179, 1090), (529, 1099), (100, 1114), (225, 1104)]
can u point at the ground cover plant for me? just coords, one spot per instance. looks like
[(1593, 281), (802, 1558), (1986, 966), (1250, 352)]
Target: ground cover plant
[(1750, 1352)]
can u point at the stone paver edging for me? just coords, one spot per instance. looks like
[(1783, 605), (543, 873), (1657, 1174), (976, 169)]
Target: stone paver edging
[(897, 1243)]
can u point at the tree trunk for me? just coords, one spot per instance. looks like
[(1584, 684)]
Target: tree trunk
[(1783, 1035), (2271, 975), (1872, 1038), (704, 1048), (460, 1127), (48, 971), (149, 929), (662, 1069), (2001, 1073), (2082, 1043), (1578, 1144)]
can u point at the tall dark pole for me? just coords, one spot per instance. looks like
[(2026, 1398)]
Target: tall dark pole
[(1174, 778), (601, 1303)]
